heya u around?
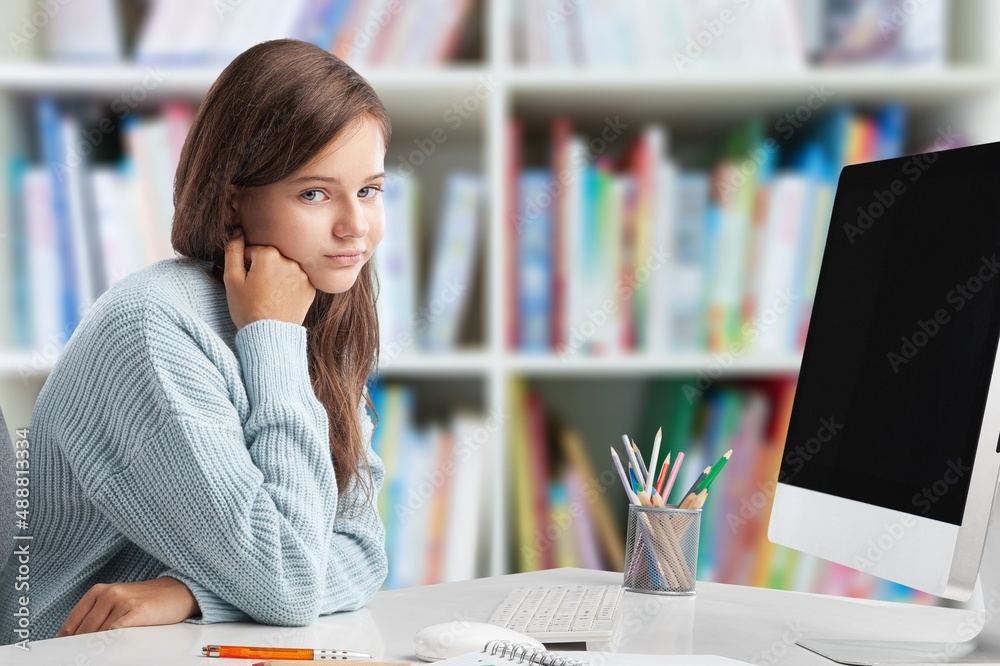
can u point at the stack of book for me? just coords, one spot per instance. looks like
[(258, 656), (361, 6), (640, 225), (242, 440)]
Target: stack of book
[(78, 226), (767, 35), (435, 501), (411, 320), (642, 255), (561, 515), (367, 33), (181, 33)]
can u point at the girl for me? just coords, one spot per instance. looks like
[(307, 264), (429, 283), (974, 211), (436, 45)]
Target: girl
[(201, 451)]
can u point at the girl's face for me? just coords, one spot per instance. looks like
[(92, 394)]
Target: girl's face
[(328, 215)]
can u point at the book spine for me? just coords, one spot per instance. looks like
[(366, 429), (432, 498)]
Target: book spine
[(511, 232), (538, 459), (43, 259), (17, 180), (535, 256), (81, 217), (560, 224), (53, 153), (454, 258)]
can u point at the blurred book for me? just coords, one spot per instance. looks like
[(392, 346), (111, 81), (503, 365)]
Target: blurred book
[(560, 511), (84, 32), (44, 292), (535, 280), (23, 331), (396, 263), (435, 498), (882, 32), (69, 246), (640, 254), (765, 35), (658, 35), (366, 33), (456, 245), (84, 224)]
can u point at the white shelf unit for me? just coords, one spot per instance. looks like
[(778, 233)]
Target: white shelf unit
[(965, 96)]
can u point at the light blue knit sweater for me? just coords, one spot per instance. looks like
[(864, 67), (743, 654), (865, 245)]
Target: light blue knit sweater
[(166, 443)]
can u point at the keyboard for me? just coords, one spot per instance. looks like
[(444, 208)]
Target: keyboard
[(560, 614)]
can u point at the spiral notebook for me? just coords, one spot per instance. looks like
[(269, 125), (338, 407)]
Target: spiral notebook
[(503, 653)]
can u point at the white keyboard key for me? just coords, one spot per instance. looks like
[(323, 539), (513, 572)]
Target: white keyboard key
[(560, 624), (526, 611), (505, 611), (546, 611), (567, 610), (587, 611), (610, 603)]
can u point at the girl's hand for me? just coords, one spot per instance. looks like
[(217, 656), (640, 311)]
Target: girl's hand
[(162, 600), (262, 283)]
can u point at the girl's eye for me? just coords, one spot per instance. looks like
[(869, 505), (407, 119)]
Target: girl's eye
[(372, 191), (312, 196)]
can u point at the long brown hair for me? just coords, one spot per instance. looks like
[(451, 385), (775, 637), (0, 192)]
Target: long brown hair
[(272, 110)]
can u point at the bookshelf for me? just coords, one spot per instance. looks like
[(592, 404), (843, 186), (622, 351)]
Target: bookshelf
[(964, 95)]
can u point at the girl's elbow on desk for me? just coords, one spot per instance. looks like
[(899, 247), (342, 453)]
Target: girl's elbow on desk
[(353, 595), (293, 613)]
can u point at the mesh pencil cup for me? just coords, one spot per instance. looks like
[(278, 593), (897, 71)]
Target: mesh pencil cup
[(661, 550)]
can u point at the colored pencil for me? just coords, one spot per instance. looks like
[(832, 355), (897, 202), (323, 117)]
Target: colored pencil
[(641, 467), (636, 488), (652, 460), (630, 452), (697, 483), (621, 474), (716, 468), (663, 474), (673, 476), (694, 501)]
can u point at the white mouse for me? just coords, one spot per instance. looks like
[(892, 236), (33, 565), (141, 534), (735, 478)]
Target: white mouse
[(451, 639)]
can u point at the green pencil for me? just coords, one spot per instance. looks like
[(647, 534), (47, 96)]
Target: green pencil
[(716, 468)]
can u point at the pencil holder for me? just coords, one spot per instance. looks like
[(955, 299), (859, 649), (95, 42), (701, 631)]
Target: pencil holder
[(661, 550)]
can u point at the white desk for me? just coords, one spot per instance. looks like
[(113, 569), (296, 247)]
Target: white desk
[(751, 624)]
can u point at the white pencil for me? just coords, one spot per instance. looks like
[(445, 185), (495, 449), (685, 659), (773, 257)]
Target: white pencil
[(631, 454), (652, 461)]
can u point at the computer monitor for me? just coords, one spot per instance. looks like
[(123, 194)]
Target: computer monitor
[(891, 459)]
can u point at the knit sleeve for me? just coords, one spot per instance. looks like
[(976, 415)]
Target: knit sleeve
[(357, 551), (244, 509)]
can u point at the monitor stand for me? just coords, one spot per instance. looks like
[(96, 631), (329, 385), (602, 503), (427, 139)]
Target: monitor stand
[(983, 649)]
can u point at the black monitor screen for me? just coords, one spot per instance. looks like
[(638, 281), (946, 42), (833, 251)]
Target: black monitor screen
[(903, 335)]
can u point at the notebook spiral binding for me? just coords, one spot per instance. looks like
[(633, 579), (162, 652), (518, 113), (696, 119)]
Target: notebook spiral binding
[(529, 656)]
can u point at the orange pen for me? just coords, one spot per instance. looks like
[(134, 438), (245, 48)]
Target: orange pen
[(243, 652)]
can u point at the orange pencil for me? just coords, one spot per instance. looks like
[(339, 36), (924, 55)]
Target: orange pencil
[(663, 474), (284, 662), (300, 654)]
